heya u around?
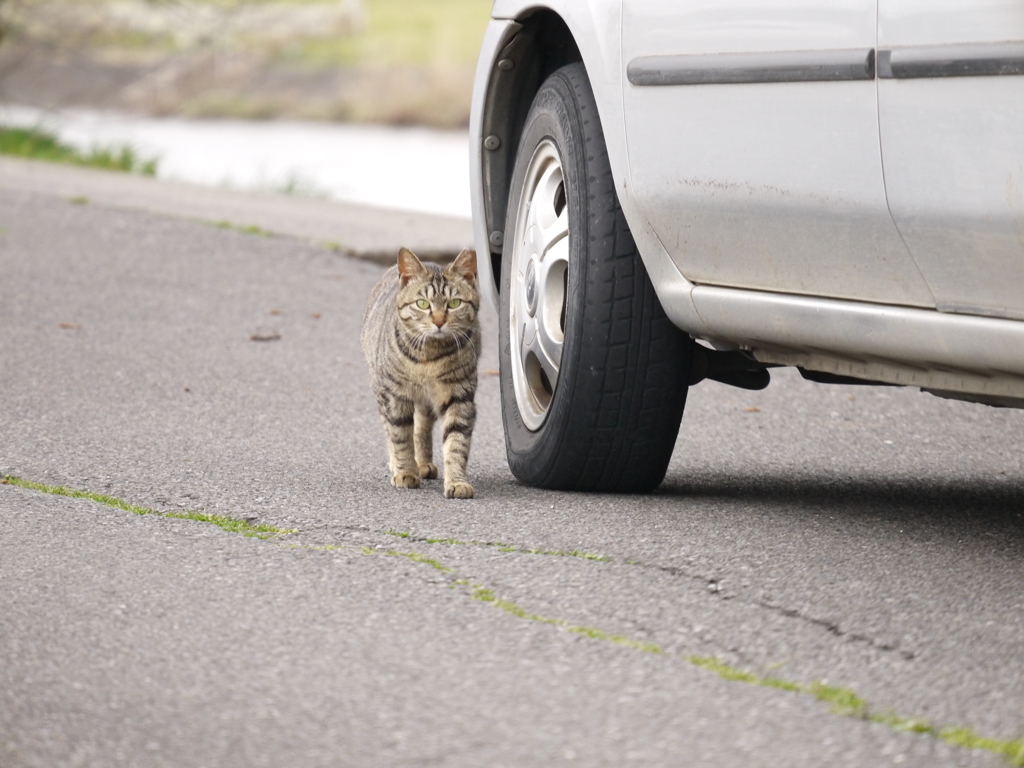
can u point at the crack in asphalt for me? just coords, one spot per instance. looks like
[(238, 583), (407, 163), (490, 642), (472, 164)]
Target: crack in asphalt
[(714, 587), (841, 701), (834, 629)]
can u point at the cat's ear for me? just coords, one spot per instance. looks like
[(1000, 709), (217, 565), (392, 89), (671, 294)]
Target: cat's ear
[(409, 266), (464, 265)]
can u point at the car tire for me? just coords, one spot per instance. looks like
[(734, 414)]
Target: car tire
[(593, 374)]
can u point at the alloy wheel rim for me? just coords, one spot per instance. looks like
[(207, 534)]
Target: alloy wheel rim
[(539, 285)]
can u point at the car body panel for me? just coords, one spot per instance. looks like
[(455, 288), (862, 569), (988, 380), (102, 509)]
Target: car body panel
[(766, 185), (953, 151), (947, 22)]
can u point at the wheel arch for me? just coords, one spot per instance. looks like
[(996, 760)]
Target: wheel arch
[(545, 38), (534, 45)]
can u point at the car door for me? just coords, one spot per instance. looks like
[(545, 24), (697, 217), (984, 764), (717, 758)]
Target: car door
[(951, 112), (752, 136)]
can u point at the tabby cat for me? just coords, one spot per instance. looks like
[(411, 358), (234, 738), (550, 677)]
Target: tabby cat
[(421, 339)]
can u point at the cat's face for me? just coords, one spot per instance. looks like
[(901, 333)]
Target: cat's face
[(436, 303)]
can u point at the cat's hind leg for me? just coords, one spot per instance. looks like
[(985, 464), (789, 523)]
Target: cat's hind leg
[(397, 415), (424, 442)]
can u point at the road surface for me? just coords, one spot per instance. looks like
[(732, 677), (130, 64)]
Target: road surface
[(825, 569)]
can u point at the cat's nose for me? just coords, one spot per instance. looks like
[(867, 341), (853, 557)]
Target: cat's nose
[(438, 318)]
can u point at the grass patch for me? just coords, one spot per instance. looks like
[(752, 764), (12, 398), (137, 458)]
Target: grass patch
[(439, 33), (381, 33), (39, 144), (247, 229), (225, 523)]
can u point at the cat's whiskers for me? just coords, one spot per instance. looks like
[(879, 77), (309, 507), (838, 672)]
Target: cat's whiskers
[(421, 340), (417, 340)]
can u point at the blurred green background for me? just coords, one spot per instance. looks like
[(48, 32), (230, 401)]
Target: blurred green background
[(407, 62)]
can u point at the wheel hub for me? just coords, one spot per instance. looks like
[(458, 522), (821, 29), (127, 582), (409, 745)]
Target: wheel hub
[(531, 288), (537, 306)]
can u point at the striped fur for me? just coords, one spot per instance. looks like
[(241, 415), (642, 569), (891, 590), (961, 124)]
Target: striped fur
[(423, 366)]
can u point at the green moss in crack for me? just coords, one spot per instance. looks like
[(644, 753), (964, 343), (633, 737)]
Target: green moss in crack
[(626, 642), (415, 557), (845, 702), (502, 547), (841, 701), (568, 553), (487, 596), (1012, 749), (61, 490), (425, 540), (231, 524), (225, 523)]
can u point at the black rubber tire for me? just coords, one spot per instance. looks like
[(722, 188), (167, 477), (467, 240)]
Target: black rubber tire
[(614, 416)]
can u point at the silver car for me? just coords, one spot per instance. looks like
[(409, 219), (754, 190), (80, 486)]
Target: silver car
[(671, 190)]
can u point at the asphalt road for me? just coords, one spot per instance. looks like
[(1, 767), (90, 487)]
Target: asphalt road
[(870, 538)]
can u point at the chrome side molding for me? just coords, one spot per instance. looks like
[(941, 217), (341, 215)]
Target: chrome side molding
[(771, 67), (975, 60), (924, 61)]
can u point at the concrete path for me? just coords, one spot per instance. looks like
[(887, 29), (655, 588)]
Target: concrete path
[(868, 538), (355, 230)]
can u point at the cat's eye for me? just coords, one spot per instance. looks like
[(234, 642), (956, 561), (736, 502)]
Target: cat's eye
[(423, 304), (454, 303)]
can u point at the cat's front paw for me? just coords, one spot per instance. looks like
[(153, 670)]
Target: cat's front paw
[(458, 491), (407, 480), (428, 471)]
